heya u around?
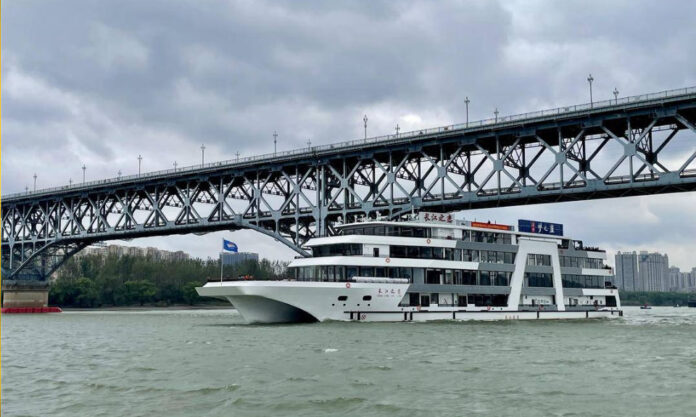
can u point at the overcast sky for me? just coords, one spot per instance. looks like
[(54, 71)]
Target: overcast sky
[(98, 83)]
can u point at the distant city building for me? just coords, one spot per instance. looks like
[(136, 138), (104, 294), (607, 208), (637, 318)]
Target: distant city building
[(233, 258), (150, 252), (653, 270), (682, 281), (676, 279), (626, 271), (645, 271)]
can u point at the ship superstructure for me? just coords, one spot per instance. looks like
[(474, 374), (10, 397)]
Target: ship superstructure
[(430, 266)]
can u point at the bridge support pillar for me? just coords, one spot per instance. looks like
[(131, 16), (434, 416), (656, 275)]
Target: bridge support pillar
[(28, 295)]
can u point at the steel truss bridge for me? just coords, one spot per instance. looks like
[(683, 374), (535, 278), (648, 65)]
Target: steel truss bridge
[(631, 146)]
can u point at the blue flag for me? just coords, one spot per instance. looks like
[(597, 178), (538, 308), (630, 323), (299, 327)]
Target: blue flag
[(229, 246)]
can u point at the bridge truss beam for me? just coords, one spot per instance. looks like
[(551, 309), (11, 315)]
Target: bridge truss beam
[(598, 154)]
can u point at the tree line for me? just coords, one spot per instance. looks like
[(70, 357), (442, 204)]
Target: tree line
[(636, 298), (110, 280)]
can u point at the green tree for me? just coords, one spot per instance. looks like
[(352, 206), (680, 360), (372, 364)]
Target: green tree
[(189, 293), (94, 280), (139, 292)]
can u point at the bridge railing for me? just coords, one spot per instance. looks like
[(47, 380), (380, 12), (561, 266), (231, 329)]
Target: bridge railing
[(643, 99)]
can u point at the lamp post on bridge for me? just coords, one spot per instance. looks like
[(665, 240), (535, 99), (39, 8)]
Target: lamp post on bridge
[(140, 162), (397, 128), (275, 142), (35, 182), (26, 189), (175, 164), (202, 155), (467, 101), (69, 182), (84, 169), (365, 125), (589, 80), (616, 95), (119, 174), (237, 155), (496, 114), (309, 143)]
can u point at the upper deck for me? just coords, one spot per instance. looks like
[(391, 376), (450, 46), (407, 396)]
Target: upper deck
[(445, 226)]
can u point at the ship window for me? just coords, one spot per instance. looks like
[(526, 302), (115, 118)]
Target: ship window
[(438, 253), (432, 276), (398, 251), (367, 271), (469, 277), (484, 278), (458, 277), (342, 297), (448, 277), (425, 300), (375, 252), (502, 278), (367, 297), (538, 279)]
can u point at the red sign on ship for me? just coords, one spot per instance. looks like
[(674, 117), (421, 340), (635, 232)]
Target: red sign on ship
[(491, 226)]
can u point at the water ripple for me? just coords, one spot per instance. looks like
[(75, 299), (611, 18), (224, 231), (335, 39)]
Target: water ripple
[(185, 363)]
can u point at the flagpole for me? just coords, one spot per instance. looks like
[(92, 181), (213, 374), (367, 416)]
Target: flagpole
[(223, 245)]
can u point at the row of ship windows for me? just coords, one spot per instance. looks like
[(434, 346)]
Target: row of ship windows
[(467, 277), (538, 260), (431, 276), (481, 300), (405, 231), (453, 254), (338, 273), (420, 252), (575, 262), (345, 273), (424, 300), (569, 280)]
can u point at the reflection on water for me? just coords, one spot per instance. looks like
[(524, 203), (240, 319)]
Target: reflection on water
[(204, 362)]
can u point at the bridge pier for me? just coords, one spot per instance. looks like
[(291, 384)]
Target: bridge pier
[(31, 294)]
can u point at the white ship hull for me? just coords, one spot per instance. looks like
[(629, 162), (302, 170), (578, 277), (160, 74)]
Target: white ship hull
[(293, 301)]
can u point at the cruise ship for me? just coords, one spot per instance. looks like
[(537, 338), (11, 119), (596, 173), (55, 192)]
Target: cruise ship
[(430, 266)]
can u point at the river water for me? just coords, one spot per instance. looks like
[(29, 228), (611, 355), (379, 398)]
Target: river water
[(206, 363)]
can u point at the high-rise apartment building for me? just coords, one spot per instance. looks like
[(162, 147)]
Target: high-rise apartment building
[(626, 265), (643, 271), (653, 271)]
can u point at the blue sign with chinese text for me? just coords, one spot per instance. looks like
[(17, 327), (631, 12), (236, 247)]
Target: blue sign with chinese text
[(544, 228)]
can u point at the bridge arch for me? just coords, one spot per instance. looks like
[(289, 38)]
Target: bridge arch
[(541, 157)]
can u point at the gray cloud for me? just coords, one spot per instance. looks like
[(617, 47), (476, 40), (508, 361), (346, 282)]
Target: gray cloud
[(100, 83)]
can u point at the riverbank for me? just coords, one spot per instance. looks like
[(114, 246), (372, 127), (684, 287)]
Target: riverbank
[(667, 299)]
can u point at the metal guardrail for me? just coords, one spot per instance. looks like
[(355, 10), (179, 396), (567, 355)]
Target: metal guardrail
[(632, 101)]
